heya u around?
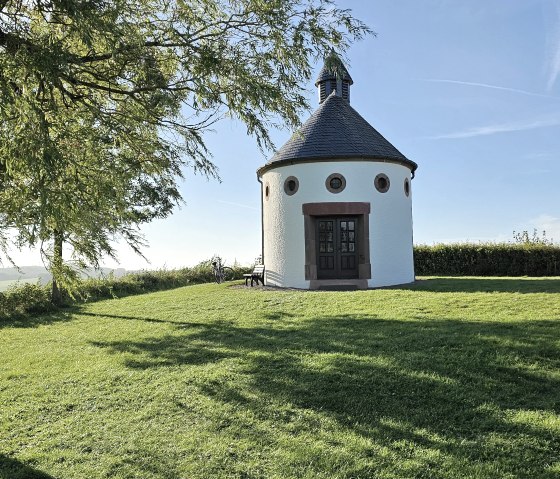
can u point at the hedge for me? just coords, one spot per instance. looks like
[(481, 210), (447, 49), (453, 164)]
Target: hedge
[(23, 300), (487, 259)]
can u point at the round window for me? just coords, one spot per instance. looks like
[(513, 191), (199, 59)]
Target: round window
[(291, 185), (335, 183), (382, 183), (406, 187)]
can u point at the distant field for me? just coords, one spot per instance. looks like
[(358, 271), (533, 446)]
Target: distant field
[(448, 378), (4, 285)]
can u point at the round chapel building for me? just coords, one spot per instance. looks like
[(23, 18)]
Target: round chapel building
[(337, 200)]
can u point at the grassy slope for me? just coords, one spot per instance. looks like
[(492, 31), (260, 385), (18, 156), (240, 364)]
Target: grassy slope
[(440, 380)]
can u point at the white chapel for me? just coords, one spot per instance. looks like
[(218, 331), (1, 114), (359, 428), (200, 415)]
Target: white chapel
[(337, 200)]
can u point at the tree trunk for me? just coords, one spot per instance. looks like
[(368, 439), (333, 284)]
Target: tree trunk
[(56, 267)]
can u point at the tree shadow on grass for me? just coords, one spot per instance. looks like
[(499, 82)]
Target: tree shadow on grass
[(471, 398), (488, 284), (33, 321), (67, 314), (185, 324), (166, 351), (11, 468)]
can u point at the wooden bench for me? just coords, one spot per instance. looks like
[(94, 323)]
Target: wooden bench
[(257, 275)]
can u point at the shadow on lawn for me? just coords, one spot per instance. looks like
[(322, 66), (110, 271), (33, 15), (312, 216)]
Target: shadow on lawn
[(460, 284), (11, 468), (67, 314), (166, 351), (136, 318), (442, 394), (32, 321)]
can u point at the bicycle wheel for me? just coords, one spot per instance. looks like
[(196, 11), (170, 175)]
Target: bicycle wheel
[(228, 274)]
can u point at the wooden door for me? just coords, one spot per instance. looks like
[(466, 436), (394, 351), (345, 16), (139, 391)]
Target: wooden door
[(337, 248)]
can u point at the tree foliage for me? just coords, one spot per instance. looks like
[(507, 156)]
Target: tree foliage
[(103, 103), (523, 238)]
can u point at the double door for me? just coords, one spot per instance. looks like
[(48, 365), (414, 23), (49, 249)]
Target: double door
[(337, 247)]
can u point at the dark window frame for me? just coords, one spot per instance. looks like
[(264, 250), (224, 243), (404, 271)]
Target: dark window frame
[(287, 189), (332, 177), (380, 178)]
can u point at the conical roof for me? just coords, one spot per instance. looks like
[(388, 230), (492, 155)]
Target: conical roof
[(336, 131)]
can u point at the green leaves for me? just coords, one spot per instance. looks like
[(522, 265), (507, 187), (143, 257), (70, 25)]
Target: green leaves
[(103, 103)]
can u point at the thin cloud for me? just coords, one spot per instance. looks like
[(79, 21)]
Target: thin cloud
[(492, 87), (494, 129), (553, 48), (544, 156)]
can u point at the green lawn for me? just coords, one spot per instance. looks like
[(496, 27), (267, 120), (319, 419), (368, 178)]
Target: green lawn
[(449, 378)]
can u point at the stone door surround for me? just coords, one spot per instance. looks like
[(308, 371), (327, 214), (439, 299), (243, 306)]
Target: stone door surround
[(311, 211)]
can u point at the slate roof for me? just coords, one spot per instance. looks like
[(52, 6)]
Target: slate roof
[(336, 131)]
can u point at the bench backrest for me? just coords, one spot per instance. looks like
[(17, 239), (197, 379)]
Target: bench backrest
[(259, 269)]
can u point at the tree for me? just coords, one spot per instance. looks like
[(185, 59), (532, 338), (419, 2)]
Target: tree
[(104, 102), (84, 188), (523, 238)]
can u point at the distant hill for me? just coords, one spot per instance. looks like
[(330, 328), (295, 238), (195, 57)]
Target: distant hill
[(39, 273), (24, 273)]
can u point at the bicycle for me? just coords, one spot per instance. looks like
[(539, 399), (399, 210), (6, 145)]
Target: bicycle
[(221, 273)]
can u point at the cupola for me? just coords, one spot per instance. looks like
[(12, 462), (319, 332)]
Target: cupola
[(333, 77)]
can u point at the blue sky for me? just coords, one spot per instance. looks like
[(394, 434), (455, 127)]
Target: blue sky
[(469, 90)]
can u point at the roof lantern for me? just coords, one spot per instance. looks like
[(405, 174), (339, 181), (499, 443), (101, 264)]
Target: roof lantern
[(333, 77)]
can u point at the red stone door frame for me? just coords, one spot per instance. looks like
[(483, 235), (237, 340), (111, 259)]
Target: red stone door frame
[(312, 211)]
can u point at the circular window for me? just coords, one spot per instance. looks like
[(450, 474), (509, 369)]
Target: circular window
[(291, 185), (382, 183), (267, 191), (406, 187), (335, 183)]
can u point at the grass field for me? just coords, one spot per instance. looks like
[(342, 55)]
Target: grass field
[(448, 378)]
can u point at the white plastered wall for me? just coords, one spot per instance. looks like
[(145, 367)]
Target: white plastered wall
[(390, 219)]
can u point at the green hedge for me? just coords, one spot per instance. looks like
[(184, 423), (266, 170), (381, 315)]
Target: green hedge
[(487, 259), (26, 299), (145, 282)]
